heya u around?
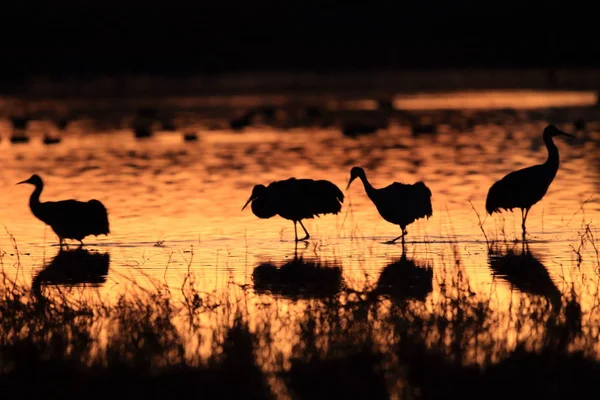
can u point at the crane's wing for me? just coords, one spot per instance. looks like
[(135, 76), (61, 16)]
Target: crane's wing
[(410, 201), (519, 189), (98, 218), (306, 197), (73, 215)]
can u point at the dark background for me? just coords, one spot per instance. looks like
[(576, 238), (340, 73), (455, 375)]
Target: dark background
[(67, 39)]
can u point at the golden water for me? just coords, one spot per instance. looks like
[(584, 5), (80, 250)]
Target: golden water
[(175, 206)]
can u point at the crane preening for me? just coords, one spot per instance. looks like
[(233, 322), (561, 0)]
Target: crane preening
[(296, 199)]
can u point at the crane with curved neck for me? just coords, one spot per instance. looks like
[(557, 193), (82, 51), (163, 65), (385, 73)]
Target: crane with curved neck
[(69, 219), (400, 204)]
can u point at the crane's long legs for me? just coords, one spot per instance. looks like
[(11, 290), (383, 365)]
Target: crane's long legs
[(404, 233), (295, 231), (524, 213), (305, 231)]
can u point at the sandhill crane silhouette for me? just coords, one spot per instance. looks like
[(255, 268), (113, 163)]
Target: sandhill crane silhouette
[(525, 187), (69, 219), (296, 199), (398, 203)]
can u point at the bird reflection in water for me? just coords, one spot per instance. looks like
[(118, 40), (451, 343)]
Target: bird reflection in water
[(298, 278), (404, 280), (73, 268), (524, 272)]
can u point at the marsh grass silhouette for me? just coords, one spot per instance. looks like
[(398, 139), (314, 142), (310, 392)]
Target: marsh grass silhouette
[(345, 344), (58, 346), (335, 354)]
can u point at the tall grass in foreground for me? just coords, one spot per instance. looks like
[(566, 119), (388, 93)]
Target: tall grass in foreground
[(390, 340)]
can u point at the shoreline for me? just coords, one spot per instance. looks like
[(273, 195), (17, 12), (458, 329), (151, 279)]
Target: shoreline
[(350, 83)]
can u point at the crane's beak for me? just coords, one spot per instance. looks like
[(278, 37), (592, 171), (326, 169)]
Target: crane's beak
[(350, 181), (248, 202), (567, 134), (25, 181)]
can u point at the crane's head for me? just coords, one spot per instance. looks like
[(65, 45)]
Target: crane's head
[(257, 191), (355, 172), (34, 180), (550, 131)]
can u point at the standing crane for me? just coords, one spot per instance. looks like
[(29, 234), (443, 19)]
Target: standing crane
[(295, 200), (525, 187), (69, 219), (400, 204)]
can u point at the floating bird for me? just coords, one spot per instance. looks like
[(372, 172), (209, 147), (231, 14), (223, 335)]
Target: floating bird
[(525, 187), (69, 219), (296, 199), (398, 203), (190, 136)]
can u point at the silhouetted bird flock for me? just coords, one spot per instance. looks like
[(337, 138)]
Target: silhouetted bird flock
[(298, 199)]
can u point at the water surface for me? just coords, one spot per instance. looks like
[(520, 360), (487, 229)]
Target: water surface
[(175, 206)]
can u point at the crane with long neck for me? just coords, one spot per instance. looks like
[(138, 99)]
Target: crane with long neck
[(69, 219), (400, 204), (527, 186)]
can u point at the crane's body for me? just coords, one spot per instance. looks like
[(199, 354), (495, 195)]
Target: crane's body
[(400, 204), (295, 200), (527, 186), (69, 219)]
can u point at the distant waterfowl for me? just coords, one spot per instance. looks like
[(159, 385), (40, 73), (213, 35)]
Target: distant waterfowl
[(525, 187), (19, 138), (19, 132), (69, 219), (50, 139), (20, 122), (190, 136), (142, 123), (62, 123), (295, 200), (358, 128), (398, 203), (241, 121)]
